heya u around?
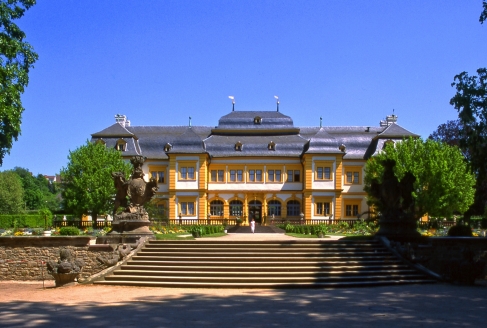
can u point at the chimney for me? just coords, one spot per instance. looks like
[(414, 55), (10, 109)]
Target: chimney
[(388, 121), (122, 120)]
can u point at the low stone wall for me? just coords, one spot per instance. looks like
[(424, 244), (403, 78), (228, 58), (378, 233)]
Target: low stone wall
[(451, 257), (24, 258), (438, 254)]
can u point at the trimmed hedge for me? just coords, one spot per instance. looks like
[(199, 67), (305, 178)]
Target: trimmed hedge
[(8, 221), (69, 231)]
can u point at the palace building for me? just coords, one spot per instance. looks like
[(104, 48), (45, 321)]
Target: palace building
[(255, 164)]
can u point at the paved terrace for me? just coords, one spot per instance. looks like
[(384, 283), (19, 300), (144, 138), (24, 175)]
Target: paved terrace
[(28, 304)]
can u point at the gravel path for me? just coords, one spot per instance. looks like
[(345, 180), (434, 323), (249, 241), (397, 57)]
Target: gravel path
[(29, 305)]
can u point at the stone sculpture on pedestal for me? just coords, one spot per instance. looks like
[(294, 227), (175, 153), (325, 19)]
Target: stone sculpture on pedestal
[(133, 221)]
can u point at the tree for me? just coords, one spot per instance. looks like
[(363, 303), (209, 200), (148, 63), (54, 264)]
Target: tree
[(17, 57), (483, 15), (470, 101), (443, 185), (33, 196), (11, 193), (87, 184), (449, 133)]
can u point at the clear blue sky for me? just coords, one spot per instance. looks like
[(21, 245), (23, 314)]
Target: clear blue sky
[(159, 62)]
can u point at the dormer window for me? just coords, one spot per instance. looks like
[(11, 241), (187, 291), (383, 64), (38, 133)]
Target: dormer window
[(257, 120), (101, 142), (167, 147), (271, 145), (238, 146), (342, 148), (387, 143), (121, 145)]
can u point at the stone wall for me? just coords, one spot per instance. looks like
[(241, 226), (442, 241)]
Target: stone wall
[(440, 252), (24, 258)]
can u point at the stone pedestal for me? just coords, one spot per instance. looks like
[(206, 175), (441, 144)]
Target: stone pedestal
[(398, 229)]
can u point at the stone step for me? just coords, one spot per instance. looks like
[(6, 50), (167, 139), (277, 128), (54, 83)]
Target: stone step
[(261, 274), (294, 284), (218, 267), (257, 280), (269, 258), (264, 264)]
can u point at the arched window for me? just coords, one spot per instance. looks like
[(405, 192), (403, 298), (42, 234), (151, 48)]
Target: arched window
[(293, 208), (236, 208), (274, 208), (216, 208)]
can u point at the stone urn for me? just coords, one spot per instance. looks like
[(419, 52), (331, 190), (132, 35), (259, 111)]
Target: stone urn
[(66, 270), (65, 279)]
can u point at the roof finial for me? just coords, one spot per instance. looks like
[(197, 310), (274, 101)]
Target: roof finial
[(190, 121), (233, 102), (277, 101), (321, 122)]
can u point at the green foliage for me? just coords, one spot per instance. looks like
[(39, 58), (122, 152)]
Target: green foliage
[(470, 101), (46, 216), (23, 221), (11, 193), (16, 59), (460, 231), (69, 231), (443, 183), (33, 196), (203, 230), (87, 181)]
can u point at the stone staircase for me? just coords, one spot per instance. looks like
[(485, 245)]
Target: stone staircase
[(264, 264)]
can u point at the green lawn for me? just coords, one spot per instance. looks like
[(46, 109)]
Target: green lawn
[(174, 236)]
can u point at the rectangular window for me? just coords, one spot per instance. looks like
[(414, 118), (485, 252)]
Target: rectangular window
[(274, 175), (323, 173), (216, 176), (160, 177), (251, 175), (187, 173), (352, 175), (323, 209), (270, 175), (297, 176), (233, 175), (319, 173), (190, 173), (184, 173), (352, 210), (158, 173), (258, 175), (290, 175), (239, 175), (187, 208)]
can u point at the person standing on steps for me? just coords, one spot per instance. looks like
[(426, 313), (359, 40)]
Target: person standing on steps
[(252, 225)]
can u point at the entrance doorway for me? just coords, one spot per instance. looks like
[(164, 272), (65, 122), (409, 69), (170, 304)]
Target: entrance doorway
[(255, 211)]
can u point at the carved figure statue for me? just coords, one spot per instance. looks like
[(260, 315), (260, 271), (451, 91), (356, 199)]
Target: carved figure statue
[(65, 264), (395, 203), (121, 186), (132, 194), (117, 255)]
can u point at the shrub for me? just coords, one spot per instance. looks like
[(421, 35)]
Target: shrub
[(69, 231), (460, 231)]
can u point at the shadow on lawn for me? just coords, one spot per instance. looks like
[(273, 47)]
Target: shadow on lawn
[(435, 305)]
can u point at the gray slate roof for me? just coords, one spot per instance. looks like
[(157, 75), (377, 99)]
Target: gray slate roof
[(238, 126)]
